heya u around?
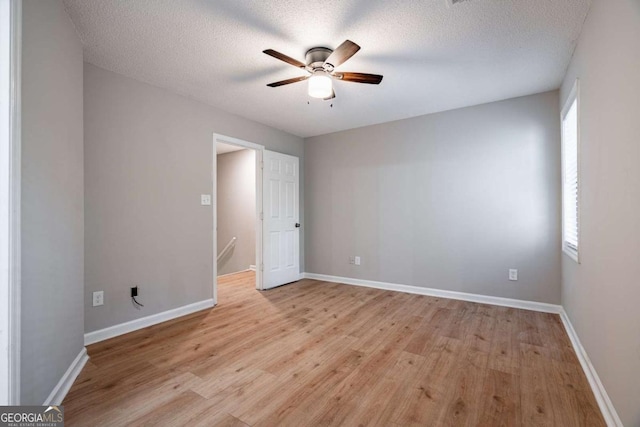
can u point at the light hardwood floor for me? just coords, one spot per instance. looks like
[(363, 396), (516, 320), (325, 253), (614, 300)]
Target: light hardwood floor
[(316, 353)]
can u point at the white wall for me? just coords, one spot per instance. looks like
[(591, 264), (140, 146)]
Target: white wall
[(236, 204), (52, 198), (148, 157), (601, 294), (448, 201)]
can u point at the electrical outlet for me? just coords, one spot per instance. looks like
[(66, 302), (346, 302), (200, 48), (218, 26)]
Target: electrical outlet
[(98, 298), (357, 260), (205, 199), (134, 291), (513, 274)]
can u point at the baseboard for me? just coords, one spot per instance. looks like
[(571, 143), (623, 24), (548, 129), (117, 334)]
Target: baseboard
[(231, 274), (606, 406), (251, 268), (483, 299), (61, 389), (154, 319)]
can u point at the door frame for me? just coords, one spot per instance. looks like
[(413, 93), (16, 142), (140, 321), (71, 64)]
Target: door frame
[(259, 150), (10, 130)]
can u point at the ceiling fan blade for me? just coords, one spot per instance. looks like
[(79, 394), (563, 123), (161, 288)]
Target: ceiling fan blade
[(288, 81), (343, 52), (333, 95), (285, 58), (373, 79)]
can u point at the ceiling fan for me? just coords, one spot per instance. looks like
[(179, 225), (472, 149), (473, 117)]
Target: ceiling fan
[(321, 64)]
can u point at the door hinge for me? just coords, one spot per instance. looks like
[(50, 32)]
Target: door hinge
[(261, 215), (262, 267), (262, 165)]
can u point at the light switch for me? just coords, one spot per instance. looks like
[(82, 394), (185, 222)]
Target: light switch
[(205, 199)]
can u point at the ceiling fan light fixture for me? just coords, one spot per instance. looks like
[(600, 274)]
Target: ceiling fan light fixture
[(321, 63), (320, 85)]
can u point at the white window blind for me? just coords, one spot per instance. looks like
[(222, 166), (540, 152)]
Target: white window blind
[(570, 177)]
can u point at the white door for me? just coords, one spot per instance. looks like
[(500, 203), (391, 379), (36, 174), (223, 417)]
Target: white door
[(281, 186)]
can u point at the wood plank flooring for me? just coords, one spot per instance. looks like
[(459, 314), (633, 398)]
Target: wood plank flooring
[(318, 353)]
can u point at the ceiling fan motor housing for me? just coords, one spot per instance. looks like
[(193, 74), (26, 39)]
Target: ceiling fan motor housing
[(316, 56)]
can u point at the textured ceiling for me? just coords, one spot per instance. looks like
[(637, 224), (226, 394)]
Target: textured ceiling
[(433, 56)]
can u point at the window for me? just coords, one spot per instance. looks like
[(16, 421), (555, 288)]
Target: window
[(571, 175)]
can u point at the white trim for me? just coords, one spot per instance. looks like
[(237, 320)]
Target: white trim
[(61, 389), (5, 199), (144, 322), (252, 267), (10, 126), (234, 272), (606, 406), (15, 290), (482, 299), (259, 150), (236, 141)]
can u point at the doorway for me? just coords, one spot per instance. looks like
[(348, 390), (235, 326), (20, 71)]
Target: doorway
[(237, 207), (276, 215)]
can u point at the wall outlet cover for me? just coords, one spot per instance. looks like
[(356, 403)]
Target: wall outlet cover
[(513, 274), (205, 199), (98, 298)]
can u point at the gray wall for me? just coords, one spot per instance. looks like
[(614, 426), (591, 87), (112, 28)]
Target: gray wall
[(448, 201), (52, 198), (601, 294), (148, 157), (236, 196)]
